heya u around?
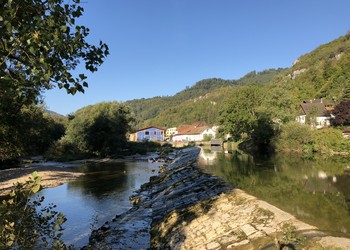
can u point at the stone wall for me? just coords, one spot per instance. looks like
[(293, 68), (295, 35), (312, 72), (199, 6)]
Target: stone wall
[(187, 208)]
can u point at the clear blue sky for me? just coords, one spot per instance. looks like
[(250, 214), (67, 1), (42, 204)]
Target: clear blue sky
[(158, 47)]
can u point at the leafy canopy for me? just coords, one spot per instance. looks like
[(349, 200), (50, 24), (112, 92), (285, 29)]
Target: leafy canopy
[(29, 132), (41, 47), (241, 112), (341, 114), (100, 129)]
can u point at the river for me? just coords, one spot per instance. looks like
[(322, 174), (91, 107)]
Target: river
[(317, 192), (314, 191), (97, 197)]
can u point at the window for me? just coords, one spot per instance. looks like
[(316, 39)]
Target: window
[(146, 132), (155, 132)]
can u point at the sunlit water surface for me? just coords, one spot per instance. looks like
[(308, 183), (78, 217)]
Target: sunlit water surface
[(314, 191), (97, 196)]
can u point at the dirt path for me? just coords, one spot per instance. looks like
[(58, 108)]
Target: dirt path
[(52, 176)]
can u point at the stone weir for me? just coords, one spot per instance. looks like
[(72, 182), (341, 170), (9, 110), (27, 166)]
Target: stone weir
[(187, 208)]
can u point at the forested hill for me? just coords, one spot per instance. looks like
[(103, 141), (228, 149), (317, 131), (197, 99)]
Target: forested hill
[(322, 73), (147, 110)]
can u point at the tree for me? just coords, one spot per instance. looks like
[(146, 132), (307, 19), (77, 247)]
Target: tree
[(30, 131), (241, 112), (40, 48), (342, 114), (100, 129), (280, 100), (263, 132)]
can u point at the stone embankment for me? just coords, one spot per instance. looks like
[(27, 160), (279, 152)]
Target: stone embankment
[(187, 208)]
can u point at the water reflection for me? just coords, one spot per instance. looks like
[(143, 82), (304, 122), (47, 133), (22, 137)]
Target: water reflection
[(101, 180), (317, 192), (98, 196)]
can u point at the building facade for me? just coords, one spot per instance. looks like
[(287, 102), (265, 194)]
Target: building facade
[(148, 134), (316, 113)]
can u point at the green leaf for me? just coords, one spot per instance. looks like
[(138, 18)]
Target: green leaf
[(35, 174), (36, 188), (64, 28), (32, 50)]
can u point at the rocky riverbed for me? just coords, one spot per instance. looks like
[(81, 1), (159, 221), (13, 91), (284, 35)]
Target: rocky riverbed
[(187, 208)]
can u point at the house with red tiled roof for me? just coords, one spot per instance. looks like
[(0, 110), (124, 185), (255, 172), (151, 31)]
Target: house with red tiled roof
[(316, 112), (197, 131), (151, 133)]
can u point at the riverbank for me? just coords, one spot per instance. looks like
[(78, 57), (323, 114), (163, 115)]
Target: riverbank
[(55, 173), (187, 208), (51, 175)]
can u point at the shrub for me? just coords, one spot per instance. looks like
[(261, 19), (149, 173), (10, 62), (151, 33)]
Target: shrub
[(330, 141), (295, 137), (24, 224)]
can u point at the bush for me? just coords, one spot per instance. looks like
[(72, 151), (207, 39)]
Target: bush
[(295, 137), (24, 224), (330, 141), (64, 150)]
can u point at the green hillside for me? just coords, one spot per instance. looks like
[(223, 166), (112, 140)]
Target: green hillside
[(322, 73), (199, 102), (146, 109)]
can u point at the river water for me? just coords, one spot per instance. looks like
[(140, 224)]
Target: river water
[(314, 191), (97, 197), (317, 192)]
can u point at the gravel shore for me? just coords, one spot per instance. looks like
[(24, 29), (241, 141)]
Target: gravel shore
[(52, 175)]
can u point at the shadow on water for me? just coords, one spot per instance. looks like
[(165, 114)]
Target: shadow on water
[(315, 191), (101, 179)]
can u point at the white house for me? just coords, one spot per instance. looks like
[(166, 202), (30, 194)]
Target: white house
[(196, 132), (170, 132), (317, 113)]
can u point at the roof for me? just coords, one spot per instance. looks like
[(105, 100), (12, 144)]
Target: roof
[(195, 128), (149, 128), (324, 101), (318, 108)]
